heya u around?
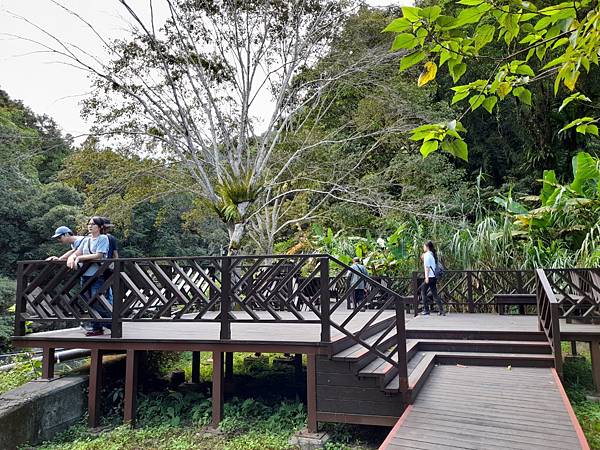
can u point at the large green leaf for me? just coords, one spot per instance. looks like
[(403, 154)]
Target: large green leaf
[(412, 59), (548, 187), (585, 172), (429, 147), (404, 40)]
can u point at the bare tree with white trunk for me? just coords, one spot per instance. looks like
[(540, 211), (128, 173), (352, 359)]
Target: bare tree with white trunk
[(197, 86)]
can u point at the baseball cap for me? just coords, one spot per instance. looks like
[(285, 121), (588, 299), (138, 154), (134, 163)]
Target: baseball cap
[(61, 230)]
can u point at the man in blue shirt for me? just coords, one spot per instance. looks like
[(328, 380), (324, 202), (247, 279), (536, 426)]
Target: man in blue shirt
[(65, 236)]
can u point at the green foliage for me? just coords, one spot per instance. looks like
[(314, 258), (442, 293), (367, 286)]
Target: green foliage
[(174, 408), (160, 437), (26, 370), (578, 382), (31, 152), (8, 290), (510, 36), (247, 424)]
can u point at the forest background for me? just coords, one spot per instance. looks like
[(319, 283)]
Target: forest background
[(489, 211)]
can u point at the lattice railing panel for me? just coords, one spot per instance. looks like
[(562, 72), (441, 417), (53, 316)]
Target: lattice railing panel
[(52, 292), (577, 292), (179, 289)]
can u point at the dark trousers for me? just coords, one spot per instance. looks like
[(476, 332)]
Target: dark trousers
[(359, 296), (98, 306), (432, 287)]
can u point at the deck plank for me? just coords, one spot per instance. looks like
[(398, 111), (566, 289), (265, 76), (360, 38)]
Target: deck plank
[(479, 407)]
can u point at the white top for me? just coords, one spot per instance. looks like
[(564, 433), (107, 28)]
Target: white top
[(429, 264)]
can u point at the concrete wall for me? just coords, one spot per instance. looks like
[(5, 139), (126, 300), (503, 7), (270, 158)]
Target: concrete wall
[(38, 410)]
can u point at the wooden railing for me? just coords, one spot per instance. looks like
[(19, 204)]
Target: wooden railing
[(268, 289), (468, 291), (549, 314), (577, 292)]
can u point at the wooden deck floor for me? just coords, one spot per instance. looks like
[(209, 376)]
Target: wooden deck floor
[(474, 322), (295, 333), (488, 408), (194, 332)]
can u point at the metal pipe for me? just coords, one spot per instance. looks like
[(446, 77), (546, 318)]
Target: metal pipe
[(60, 356)]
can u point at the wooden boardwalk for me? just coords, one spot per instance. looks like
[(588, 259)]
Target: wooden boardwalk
[(365, 366), (488, 408)]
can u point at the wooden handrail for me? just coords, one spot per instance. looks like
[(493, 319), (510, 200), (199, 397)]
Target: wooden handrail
[(548, 316)]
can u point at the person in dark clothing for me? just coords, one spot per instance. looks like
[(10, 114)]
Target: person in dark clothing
[(113, 250), (360, 286), (113, 244), (430, 261)]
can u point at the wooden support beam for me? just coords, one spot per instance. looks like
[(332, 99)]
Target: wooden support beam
[(195, 367), (229, 365), (595, 353), (217, 389), (574, 348), (131, 373), (47, 363), (95, 388), (311, 392)]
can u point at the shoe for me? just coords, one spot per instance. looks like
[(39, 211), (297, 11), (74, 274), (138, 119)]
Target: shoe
[(424, 313), (95, 332), (441, 313), (85, 328)]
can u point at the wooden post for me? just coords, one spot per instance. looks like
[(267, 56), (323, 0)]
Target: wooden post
[(116, 330), (229, 365), (415, 289), (195, 367), (131, 372), (574, 348), (311, 392), (95, 388), (325, 300), (21, 303), (401, 344), (217, 389), (470, 304), (225, 297), (168, 270), (47, 363), (595, 353), (554, 315)]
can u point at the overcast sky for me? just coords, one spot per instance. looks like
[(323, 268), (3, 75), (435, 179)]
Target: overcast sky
[(36, 78)]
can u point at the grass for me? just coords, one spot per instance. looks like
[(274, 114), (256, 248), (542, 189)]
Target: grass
[(578, 382)]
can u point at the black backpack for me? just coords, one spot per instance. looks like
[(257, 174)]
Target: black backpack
[(440, 270)]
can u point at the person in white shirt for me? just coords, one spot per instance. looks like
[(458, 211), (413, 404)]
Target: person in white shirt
[(429, 258)]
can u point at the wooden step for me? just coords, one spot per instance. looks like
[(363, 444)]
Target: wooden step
[(347, 342), (358, 351), (477, 335), (495, 359), (381, 368), (418, 371), (486, 346)]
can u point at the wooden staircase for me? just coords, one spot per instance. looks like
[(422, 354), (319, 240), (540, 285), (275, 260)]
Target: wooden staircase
[(356, 386)]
